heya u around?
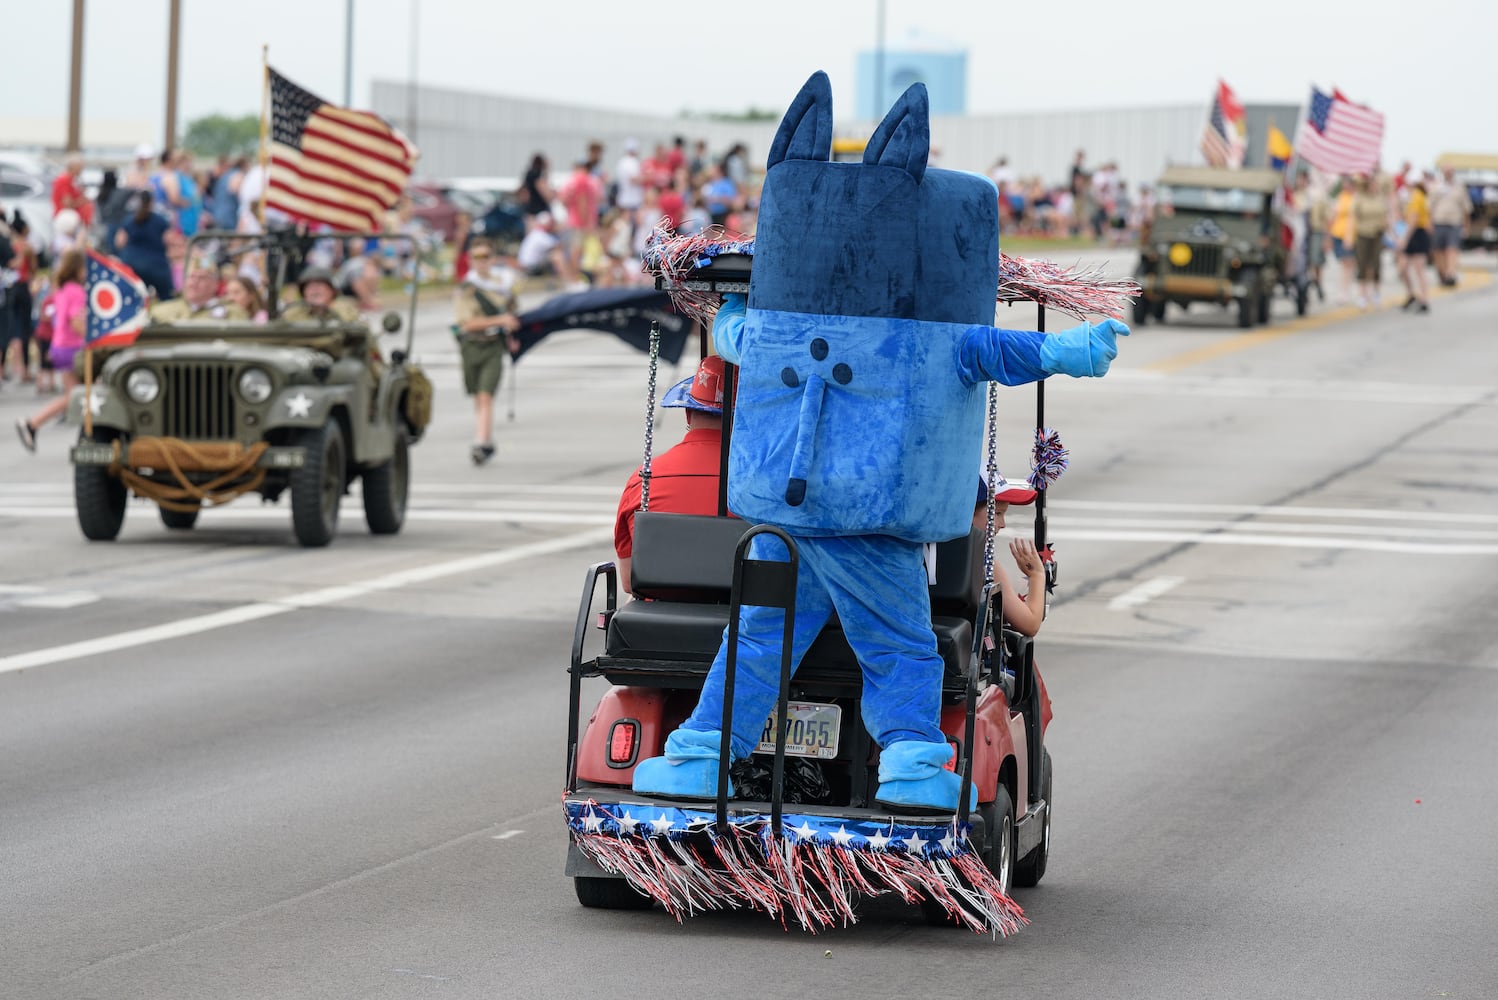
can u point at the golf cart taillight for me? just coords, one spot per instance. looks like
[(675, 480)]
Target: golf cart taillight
[(624, 743)]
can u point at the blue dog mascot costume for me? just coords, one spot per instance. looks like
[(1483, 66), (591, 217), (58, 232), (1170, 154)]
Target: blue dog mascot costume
[(864, 346)]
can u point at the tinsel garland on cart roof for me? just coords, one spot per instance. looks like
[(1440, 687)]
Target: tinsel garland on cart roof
[(1079, 291)]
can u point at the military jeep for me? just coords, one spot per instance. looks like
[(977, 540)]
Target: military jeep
[(197, 412), (1214, 237)]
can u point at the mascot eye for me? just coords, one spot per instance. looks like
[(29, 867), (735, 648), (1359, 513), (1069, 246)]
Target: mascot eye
[(819, 349), (843, 374), (788, 376)]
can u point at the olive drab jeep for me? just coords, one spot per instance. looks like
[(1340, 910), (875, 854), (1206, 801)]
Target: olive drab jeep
[(1478, 173), (1214, 237), (199, 411)]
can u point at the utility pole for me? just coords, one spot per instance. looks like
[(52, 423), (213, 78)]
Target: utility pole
[(411, 79), (173, 33), (348, 54), (75, 83)]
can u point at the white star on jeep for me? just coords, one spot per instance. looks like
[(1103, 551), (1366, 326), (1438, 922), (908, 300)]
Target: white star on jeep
[(843, 838), (299, 405), (96, 400), (662, 824), (627, 823), (914, 842), (592, 822), (878, 841)]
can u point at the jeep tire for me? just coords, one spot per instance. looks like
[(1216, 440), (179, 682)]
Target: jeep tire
[(1248, 302), (179, 520), (385, 488), (317, 486), (99, 496)]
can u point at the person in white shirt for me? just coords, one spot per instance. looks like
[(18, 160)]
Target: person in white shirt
[(541, 251)]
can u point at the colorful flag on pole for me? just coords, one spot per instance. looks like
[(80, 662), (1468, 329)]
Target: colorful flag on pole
[(1225, 136), (1339, 136), (116, 303), (332, 165), (1280, 150)]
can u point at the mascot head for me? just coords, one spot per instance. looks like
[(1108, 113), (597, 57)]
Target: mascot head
[(886, 237)]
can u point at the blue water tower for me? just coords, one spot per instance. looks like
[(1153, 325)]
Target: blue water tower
[(942, 69)]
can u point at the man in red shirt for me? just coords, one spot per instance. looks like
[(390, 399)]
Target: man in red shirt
[(67, 194), (684, 478)]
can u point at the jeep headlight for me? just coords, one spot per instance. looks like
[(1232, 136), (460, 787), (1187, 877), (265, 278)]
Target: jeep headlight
[(254, 385), (142, 385)]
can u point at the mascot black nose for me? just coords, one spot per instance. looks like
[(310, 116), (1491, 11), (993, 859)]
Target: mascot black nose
[(795, 492)]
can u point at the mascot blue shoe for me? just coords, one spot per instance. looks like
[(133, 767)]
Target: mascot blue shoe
[(914, 775), (689, 770)]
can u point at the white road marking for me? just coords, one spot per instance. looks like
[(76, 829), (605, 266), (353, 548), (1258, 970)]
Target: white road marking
[(1273, 510), (1145, 592), (310, 599), (507, 834), (414, 513), (16, 588), (59, 600), (1279, 541), (1221, 387)]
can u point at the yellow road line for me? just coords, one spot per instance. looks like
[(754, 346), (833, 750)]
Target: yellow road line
[(1471, 279)]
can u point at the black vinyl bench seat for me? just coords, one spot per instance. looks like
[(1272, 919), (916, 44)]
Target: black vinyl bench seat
[(683, 566)]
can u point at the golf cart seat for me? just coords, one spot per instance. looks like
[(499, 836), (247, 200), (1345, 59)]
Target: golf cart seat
[(683, 565)]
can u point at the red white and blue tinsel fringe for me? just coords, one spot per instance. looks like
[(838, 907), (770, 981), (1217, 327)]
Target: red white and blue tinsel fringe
[(1078, 291), (1048, 460), (812, 873)]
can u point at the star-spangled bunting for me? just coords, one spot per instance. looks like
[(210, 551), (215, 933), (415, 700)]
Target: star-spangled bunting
[(332, 165), (1339, 136), (116, 302)]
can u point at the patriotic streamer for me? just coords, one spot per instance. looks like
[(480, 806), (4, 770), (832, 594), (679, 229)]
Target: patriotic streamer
[(811, 874), (1049, 459), (1076, 291)]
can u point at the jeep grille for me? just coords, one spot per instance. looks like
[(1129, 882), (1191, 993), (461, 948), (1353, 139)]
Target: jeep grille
[(1205, 261), (198, 401)]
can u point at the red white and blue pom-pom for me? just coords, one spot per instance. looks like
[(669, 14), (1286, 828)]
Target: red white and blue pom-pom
[(812, 873), (1049, 459)]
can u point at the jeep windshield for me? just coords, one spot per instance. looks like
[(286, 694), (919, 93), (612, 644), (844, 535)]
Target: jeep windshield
[(1204, 199)]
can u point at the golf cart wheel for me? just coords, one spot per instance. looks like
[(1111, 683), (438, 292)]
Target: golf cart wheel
[(179, 520), (385, 488), (608, 894), (317, 487), (997, 854), (99, 497), (1031, 868)]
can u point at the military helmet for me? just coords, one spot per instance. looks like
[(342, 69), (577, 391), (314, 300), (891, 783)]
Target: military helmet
[(312, 274)]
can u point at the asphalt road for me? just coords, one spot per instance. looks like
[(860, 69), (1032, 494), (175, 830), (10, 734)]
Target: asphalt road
[(233, 768)]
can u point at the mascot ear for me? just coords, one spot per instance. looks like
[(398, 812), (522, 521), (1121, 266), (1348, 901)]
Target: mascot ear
[(805, 132), (903, 139)]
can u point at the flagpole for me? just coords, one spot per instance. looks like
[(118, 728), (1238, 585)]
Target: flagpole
[(264, 127), (88, 391)]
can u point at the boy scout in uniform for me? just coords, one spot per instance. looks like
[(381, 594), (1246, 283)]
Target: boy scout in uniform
[(485, 326)]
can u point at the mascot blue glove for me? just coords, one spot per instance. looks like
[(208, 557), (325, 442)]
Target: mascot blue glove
[(864, 347)]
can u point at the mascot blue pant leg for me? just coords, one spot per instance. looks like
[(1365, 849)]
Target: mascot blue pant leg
[(877, 586)]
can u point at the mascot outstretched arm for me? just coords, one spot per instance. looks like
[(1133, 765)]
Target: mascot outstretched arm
[(864, 346)]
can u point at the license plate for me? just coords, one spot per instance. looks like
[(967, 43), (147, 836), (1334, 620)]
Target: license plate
[(811, 731), (92, 453)]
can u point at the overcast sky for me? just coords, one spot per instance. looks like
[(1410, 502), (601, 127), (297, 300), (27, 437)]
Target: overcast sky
[(1430, 67)]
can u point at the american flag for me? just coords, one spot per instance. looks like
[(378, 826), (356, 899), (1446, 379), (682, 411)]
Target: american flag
[(1223, 137), (332, 165), (1339, 136)]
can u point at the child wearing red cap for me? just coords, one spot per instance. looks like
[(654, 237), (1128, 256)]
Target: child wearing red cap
[(1023, 613)]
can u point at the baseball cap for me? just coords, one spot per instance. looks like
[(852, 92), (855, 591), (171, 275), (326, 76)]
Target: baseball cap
[(145, 151), (631, 145), (1003, 490), (702, 390)]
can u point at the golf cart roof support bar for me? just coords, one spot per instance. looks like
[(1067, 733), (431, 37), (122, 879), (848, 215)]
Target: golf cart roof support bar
[(761, 583)]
